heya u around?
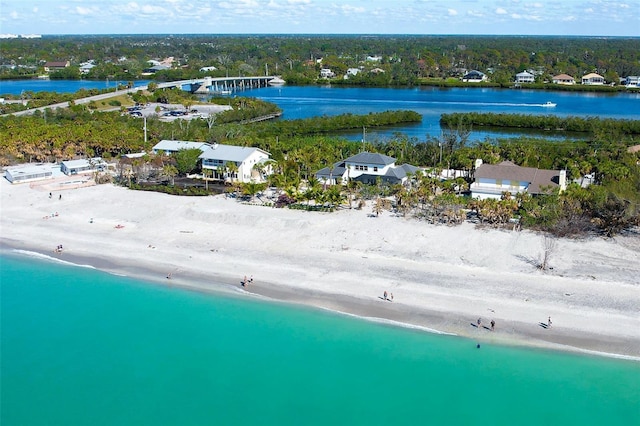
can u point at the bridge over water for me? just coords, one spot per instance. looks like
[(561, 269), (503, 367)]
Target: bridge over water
[(220, 85)]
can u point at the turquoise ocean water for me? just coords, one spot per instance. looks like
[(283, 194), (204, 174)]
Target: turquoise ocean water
[(82, 347)]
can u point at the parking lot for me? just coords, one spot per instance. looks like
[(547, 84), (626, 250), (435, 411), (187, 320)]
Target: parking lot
[(170, 112)]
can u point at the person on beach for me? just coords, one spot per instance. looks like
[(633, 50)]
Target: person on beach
[(244, 282), (391, 297), (493, 325), (385, 295), (479, 322), (251, 279), (50, 195), (60, 197), (549, 322)]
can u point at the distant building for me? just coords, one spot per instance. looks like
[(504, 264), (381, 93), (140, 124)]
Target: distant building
[(56, 65), (375, 58), (327, 73), (493, 180), (525, 77), (86, 67), (207, 69), (632, 81), (352, 72), (366, 167), (563, 79), (593, 79), (474, 76)]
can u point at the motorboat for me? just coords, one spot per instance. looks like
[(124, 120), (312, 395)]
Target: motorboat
[(549, 104)]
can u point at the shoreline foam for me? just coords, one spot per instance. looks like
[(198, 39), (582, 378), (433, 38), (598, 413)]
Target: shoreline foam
[(443, 278)]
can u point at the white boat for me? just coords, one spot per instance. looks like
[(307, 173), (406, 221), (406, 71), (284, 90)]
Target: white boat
[(277, 81), (549, 104)]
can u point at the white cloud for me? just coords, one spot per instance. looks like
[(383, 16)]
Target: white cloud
[(452, 12), (501, 11), (516, 16)]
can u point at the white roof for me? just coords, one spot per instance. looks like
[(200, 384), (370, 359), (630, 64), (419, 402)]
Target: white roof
[(230, 153), (34, 168), (82, 162), (169, 145)]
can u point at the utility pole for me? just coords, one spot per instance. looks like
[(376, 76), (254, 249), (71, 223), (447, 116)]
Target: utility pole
[(145, 129)]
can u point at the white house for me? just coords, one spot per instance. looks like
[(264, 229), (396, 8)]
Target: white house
[(84, 165), (171, 147), (327, 73), (86, 67), (366, 167), (632, 81), (525, 77), (492, 180), (593, 79), (218, 157), (352, 71), (207, 69), (563, 79), (474, 76), (31, 172)]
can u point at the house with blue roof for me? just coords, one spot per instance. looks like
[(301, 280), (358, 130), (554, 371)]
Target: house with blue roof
[(366, 167)]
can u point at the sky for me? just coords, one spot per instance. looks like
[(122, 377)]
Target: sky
[(502, 17)]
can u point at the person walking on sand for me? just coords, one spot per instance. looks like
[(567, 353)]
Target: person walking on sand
[(385, 295), (549, 322), (479, 322), (391, 297), (244, 282), (493, 325)]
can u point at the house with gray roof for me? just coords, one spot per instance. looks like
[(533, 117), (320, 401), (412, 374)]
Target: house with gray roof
[(251, 164), (169, 147), (493, 180), (366, 167)]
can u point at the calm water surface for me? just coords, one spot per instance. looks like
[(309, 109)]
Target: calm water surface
[(82, 347), (430, 102)]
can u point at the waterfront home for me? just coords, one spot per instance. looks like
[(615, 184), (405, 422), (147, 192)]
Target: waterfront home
[(207, 69), (32, 172), (366, 167), (493, 180), (171, 147), (525, 77), (593, 79), (249, 164), (352, 71), (327, 73), (56, 65), (83, 165), (563, 79), (632, 81), (474, 76)]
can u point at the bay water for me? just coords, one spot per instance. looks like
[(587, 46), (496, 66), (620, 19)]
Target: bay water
[(431, 102), (83, 347)]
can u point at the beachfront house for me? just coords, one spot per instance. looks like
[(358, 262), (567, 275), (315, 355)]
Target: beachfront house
[(493, 180), (366, 167), (474, 76), (169, 147), (525, 77), (563, 79), (31, 172), (236, 163), (593, 79), (83, 165)]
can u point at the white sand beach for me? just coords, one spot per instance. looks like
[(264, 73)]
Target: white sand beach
[(442, 278)]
